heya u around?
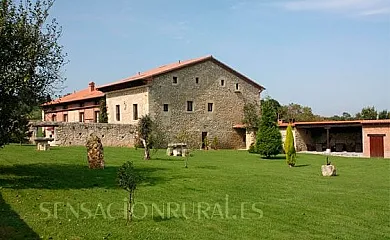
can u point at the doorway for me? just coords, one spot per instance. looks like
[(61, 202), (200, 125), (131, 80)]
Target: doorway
[(376, 146), (204, 136)]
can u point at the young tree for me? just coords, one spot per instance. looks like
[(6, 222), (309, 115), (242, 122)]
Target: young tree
[(268, 139), (145, 128), (103, 117), (289, 147), (30, 60), (128, 179)]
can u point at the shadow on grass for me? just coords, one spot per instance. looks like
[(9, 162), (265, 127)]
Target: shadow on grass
[(208, 167), (274, 158), (302, 165), (67, 176), (11, 225)]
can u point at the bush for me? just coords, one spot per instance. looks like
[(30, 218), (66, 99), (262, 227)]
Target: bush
[(215, 143), (127, 179), (252, 148), (289, 147), (268, 139)]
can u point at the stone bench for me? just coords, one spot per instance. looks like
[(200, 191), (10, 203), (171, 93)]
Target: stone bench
[(177, 149), (43, 143)]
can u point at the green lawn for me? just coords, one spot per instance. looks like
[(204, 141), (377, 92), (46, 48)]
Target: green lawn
[(290, 203)]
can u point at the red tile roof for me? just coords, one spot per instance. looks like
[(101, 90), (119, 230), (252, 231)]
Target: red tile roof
[(385, 121), (175, 66), (84, 94)]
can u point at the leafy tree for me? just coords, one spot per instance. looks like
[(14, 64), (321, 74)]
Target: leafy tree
[(103, 117), (367, 113), (145, 128), (268, 139), (275, 105), (298, 113), (289, 147), (30, 60), (251, 115), (384, 114), (150, 135), (215, 143), (127, 179)]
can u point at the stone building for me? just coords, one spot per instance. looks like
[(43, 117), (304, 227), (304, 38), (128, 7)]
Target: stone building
[(81, 106), (202, 97), (371, 138)]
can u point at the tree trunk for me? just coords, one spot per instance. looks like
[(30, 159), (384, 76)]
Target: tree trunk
[(147, 150)]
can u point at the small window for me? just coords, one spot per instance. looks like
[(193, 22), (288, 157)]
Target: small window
[(118, 112), (53, 118), (222, 82), (81, 117), (96, 116), (190, 106), (237, 87), (165, 108), (210, 107), (135, 111), (197, 80), (174, 80), (65, 117)]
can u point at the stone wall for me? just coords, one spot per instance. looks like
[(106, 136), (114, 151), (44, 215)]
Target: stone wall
[(76, 134), (201, 84)]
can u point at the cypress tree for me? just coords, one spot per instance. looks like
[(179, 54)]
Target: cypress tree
[(268, 138), (289, 147)]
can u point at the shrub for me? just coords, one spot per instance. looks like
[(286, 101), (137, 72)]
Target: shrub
[(215, 143), (252, 148), (268, 139), (289, 147), (128, 179)]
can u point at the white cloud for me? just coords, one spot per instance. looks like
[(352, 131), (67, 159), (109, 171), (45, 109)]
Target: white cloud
[(358, 7)]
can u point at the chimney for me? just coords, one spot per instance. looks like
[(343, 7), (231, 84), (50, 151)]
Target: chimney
[(91, 86)]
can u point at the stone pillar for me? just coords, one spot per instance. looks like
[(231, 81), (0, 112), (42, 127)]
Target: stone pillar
[(95, 152)]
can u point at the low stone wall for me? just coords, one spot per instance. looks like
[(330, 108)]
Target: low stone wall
[(76, 134)]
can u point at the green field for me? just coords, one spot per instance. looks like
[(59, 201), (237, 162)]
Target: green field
[(222, 195)]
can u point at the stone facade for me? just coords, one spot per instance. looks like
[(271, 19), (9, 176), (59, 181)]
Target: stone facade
[(227, 103), (76, 134), (381, 129), (126, 99), (217, 93)]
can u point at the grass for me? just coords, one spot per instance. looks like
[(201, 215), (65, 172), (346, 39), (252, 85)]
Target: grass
[(294, 202)]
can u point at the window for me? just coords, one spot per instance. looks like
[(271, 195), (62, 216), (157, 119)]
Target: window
[(118, 112), (197, 80), (190, 107), (96, 116), (65, 117), (174, 80), (81, 117), (222, 82), (210, 107), (135, 112), (53, 118), (165, 107), (237, 87)]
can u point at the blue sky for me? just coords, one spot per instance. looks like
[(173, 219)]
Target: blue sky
[(331, 55)]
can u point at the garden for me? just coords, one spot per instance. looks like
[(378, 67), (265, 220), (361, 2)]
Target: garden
[(223, 194)]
